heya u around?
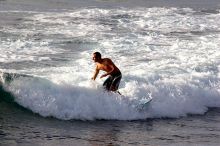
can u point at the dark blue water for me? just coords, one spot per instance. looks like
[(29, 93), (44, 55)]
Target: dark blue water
[(21, 127)]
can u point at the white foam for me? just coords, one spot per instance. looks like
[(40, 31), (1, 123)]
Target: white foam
[(23, 50), (71, 102)]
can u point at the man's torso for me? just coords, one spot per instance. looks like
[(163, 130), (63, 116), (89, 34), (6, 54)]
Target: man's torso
[(106, 66)]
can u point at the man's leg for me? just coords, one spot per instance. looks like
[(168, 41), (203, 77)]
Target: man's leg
[(107, 83), (115, 84)]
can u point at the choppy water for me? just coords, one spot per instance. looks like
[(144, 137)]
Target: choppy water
[(20, 127), (167, 51)]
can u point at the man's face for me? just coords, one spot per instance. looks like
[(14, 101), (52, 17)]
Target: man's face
[(94, 58)]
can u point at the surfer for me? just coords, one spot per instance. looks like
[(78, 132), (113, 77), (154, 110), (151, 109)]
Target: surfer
[(106, 64)]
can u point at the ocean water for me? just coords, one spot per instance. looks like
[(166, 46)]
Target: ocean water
[(166, 50)]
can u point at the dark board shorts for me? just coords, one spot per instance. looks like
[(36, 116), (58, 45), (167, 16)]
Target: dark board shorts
[(113, 81)]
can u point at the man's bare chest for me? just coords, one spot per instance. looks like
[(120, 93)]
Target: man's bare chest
[(103, 67)]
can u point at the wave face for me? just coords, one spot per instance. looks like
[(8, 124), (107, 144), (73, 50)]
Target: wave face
[(169, 54), (65, 101)]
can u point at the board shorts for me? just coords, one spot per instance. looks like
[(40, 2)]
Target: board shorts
[(113, 81)]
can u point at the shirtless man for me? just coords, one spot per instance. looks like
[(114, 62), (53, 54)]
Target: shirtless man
[(106, 64)]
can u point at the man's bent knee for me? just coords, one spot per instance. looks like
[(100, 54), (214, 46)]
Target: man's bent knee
[(113, 88)]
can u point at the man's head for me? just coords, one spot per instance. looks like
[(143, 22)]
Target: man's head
[(97, 57)]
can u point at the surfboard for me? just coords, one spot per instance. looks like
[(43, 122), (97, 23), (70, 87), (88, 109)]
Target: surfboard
[(140, 105), (143, 104)]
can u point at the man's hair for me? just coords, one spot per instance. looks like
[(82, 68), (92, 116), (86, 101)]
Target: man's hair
[(98, 55)]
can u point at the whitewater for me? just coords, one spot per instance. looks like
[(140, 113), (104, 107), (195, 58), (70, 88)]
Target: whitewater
[(168, 54)]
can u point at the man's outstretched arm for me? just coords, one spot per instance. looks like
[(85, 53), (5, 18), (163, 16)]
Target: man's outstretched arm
[(95, 74)]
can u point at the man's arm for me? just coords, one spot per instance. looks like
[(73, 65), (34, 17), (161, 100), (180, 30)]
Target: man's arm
[(108, 73), (111, 66), (96, 73)]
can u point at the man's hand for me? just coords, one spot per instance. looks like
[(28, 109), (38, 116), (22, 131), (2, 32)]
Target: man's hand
[(103, 76)]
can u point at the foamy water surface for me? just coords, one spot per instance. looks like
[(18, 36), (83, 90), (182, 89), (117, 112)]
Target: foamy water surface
[(169, 54)]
